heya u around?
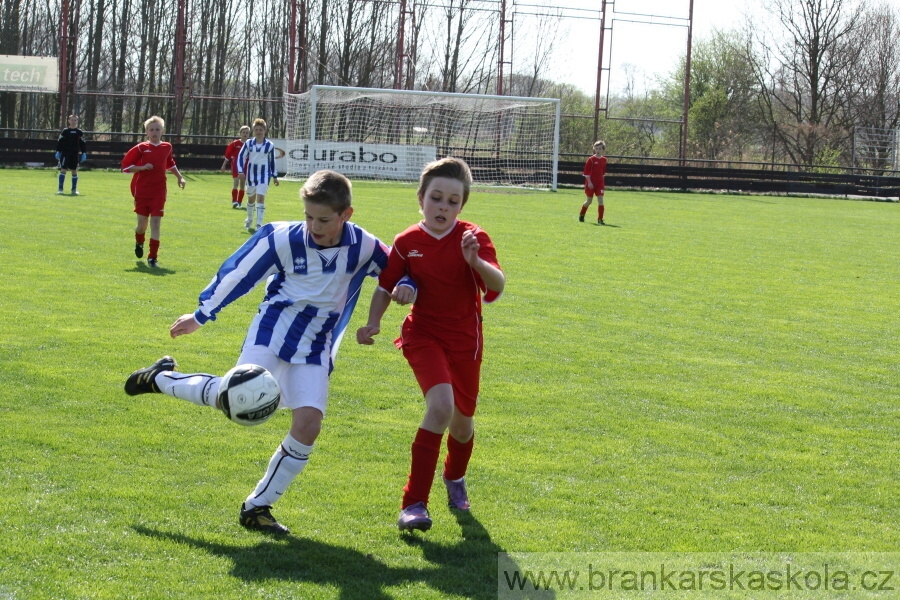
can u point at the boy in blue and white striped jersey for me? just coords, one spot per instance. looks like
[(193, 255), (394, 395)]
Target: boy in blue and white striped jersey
[(256, 165), (314, 270)]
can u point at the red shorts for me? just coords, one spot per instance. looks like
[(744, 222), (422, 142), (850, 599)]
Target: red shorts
[(150, 206), (590, 193), (433, 364)]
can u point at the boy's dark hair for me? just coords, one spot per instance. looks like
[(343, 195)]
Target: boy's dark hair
[(329, 188), (449, 167)]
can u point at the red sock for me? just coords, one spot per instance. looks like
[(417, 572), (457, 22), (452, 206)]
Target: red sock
[(425, 450), (240, 196), (139, 238), (154, 248), (234, 193), (600, 212), (458, 455), (583, 210)]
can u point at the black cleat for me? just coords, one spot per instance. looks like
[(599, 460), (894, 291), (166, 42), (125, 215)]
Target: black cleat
[(139, 250), (143, 381), (600, 222), (151, 262), (581, 218), (260, 518)]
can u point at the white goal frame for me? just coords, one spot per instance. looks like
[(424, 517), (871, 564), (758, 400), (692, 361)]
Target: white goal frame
[(370, 133)]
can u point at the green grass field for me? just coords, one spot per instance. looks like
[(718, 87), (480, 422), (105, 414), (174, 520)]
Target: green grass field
[(708, 373)]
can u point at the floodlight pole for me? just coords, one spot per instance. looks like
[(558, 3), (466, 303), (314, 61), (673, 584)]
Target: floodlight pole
[(687, 86), (180, 42), (292, 54), (63, 59), (599, 73)]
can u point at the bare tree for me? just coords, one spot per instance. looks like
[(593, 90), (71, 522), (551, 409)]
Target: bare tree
[(878, 70), (806, 74)]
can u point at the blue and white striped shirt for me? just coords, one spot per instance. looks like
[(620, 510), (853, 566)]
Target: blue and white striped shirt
[(311, 291), (257, 161)]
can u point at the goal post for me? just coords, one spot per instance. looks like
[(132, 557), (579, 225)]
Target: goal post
[(368, 133)]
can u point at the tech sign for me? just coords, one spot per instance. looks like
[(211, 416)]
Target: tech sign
[(383, 161), (28, 74)]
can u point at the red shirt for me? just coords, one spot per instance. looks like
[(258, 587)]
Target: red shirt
[(448, 303), (231, 153), (147, 184), (595, 168)]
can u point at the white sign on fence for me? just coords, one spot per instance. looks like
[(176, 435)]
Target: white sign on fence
[(385, 161), (29, 74)]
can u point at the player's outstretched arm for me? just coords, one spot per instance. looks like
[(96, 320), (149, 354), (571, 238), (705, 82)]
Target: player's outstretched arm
[(184, 325), (380, 302)]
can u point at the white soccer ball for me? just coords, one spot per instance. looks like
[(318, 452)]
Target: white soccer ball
[(249, 395)]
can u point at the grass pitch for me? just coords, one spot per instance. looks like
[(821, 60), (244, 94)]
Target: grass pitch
[(706, 373)]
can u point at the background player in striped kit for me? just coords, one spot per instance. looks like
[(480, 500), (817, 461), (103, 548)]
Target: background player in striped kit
[(256, 163), (231, 156), (150, 161), (452, 263), (314, 270), (70, 150)]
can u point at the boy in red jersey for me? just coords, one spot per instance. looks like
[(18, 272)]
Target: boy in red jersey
[(594, 181), (231, 155), (149, 161), (452, 263)]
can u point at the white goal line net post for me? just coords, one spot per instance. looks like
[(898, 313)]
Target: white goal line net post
[(368, 133)]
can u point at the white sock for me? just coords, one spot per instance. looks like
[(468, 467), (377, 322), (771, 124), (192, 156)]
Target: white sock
[(260, 211), (289, 459), (251, 210), (199, 388)]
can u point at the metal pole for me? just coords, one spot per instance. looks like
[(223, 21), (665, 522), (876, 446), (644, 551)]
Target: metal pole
[(502, 44), (401, 43), (180, 41), (292, 53), (599, 72), (63, 59), (687, 85)]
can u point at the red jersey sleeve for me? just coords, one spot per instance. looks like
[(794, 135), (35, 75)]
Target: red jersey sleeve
[(395, 270), (132, 158), (488, 254)]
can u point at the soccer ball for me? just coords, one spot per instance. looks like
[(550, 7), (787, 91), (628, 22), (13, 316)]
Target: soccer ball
[(249, 395)]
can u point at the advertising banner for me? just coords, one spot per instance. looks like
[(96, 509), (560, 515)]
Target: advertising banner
[(29, 74)]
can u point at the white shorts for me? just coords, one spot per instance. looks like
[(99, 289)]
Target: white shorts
[(258, 190), (301, 384)]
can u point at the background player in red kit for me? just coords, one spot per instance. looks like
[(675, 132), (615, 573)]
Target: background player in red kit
[(451, 262), (594, 181), (149, 161), (231, 156)]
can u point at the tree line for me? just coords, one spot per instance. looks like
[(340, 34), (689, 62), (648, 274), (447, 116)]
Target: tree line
[(794, 87)]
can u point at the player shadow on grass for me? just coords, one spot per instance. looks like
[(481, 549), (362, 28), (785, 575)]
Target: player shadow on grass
[(142, 267), (470, 566), (467, 568)]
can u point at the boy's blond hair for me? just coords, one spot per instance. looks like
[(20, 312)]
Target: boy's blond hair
[(244, 128), (328, 188), (600, 143), (155, 119), (449, 167), (260, 121)]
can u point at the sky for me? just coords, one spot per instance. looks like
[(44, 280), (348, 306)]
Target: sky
[(648, 35)]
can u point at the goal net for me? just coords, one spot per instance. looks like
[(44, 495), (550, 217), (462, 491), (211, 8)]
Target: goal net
[(391, 134), (876, 148)]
